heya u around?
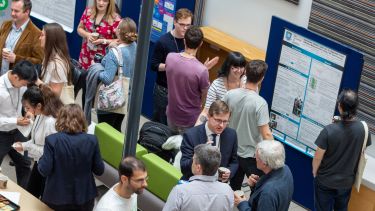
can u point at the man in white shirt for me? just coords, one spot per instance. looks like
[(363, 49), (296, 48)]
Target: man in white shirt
[(12, 86), (123, 195)]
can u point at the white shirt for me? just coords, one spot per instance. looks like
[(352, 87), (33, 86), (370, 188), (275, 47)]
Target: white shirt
[(43, 126), (111, 201), (10, 104), (210, 137)]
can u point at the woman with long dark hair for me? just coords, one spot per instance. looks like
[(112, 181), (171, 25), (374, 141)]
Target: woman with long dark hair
[(44, 104), (56, 66)]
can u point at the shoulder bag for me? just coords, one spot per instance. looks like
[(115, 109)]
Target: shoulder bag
[(362, 161), (113, 98)]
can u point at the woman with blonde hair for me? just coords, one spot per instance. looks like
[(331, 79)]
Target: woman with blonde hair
[(127, 35), (97, 27), (70, 158), (56, 64)]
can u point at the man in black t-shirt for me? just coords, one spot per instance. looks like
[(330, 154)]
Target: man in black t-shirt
[(172, 41), (336, 158)]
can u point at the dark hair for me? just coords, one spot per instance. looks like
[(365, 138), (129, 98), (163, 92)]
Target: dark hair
[(129, 165), (71, 119), (208, 157), (234, 59), (127, 30), (27, 5), (44, 95), (218, 107), (25, 70), (255, 70), (348, 102), (56, 44), (193, 37), (183, 13)]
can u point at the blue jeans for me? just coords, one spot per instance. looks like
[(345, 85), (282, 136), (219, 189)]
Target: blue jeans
[(327, 199), (160, 101)]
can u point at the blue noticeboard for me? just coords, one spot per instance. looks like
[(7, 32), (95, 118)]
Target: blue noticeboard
[(306, 72), (162, 20)]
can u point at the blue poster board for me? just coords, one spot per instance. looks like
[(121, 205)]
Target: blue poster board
[(306, 71), (162, 20)]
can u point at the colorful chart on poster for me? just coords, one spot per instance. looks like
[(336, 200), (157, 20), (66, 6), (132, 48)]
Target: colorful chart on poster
[(307, 84), (162, 20)]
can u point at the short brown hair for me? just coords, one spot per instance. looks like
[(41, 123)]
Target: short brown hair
[(27, 5), (255, 70), (127, 30), (71, 119), (218, 107), (193, 37), (183, 13)]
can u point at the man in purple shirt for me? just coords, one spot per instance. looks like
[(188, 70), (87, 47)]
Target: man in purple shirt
[(188, 83)]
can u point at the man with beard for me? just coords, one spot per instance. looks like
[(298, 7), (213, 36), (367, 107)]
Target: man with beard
[(216, 133), (123, 195)]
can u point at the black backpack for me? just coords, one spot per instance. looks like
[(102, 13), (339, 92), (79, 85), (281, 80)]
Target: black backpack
[(152, 136)]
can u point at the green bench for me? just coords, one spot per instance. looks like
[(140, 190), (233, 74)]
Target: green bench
[(162, 175)]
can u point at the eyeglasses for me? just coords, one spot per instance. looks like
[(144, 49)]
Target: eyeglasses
[(238, 68), (219, 121), (184, 25), (142, 180)]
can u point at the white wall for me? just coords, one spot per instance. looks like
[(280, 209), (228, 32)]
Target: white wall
[(250, 20)]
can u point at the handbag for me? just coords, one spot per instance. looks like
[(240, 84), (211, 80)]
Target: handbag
[(113, 97), (362, 161), (67, 94)]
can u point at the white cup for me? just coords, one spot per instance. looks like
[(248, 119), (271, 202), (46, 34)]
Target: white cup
[(240, 193), (6, 50), (95, 35)]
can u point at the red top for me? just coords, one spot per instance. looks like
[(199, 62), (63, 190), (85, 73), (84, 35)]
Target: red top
[(104, 29)]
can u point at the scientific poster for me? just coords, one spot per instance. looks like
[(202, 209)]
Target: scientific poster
[(162, 20), (59, 11), (307, 84)]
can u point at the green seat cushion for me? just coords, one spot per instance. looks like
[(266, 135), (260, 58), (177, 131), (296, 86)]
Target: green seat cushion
[(111, 143), (162, 175)]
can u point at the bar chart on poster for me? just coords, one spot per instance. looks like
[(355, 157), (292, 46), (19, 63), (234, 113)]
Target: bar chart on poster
[(308, 80), (59, 11)]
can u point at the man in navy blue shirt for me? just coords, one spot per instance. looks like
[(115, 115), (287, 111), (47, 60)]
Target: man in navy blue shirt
[(274, 190)]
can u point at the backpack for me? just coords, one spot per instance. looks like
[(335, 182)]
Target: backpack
[(152, 136)]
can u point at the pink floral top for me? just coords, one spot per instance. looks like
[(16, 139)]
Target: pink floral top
[(104, 29)]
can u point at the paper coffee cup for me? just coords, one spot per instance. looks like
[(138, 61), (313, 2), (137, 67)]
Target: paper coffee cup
[(3, 182), (7, 50), (240, 193), (95, 35), (222, 170)]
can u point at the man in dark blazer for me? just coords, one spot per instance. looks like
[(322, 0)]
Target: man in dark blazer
[(214, 132), (19, 37)]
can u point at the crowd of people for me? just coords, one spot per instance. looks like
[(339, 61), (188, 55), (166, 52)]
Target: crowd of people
[(222, 142)]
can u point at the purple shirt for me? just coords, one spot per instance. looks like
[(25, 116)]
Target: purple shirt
[(187, 79)]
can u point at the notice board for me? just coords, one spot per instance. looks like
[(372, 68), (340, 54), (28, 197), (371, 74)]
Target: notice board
[(59, 11), (306, 73)]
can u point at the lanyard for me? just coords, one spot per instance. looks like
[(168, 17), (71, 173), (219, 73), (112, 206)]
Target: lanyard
[(36, 127), (11, 98)]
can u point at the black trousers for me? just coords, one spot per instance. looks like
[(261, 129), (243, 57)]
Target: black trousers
[(36, 183), (81, 84), (22, 163), (88, 206), (160, 102), (113, 119), (246, 166)]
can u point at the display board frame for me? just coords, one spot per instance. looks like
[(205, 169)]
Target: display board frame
[(351, 71)]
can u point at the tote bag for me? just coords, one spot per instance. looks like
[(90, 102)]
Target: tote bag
[(362, 161), (67, 94), (113, 98)]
